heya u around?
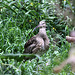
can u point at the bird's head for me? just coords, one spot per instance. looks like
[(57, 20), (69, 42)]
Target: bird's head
[(41, 25)]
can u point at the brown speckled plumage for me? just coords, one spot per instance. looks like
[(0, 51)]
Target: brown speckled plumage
[(38, 43)]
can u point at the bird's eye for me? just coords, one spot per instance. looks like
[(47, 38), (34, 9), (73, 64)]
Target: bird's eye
[(43, 23)]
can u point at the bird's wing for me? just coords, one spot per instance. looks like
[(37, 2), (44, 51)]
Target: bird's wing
[(30, 41)]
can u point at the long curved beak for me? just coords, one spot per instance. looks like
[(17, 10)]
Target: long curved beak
[(36, 27)]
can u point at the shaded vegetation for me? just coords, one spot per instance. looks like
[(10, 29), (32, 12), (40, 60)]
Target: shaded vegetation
[(17, 20)]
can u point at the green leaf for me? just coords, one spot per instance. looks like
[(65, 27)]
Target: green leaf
[(7, 6), (19, 57)]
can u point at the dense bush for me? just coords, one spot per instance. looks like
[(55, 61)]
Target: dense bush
[(17, 20)]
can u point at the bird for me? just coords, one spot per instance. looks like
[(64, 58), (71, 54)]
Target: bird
[(39, 43)]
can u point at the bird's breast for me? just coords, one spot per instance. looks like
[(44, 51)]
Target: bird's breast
[(40, 41)]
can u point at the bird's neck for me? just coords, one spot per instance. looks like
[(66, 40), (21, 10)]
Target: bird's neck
[(42, 31)]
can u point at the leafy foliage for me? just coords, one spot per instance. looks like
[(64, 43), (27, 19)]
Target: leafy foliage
[(17, 20)]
